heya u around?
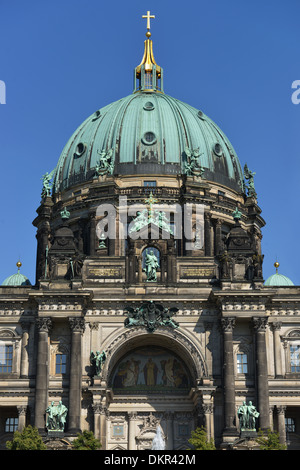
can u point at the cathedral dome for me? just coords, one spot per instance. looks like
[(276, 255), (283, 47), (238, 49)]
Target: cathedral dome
[(148, 132)]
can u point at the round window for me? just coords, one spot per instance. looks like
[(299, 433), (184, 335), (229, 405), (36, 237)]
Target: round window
[(96, 115), (148, 106), (218, 150), (149, 138), (80, 149)]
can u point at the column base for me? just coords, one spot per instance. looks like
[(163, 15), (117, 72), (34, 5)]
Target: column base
[(73, 432), (230, 434)]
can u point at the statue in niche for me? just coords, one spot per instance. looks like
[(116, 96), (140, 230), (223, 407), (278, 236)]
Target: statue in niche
[(76, 264), (97, 360), (224, 265), (151, 266), (247, 415), (56, 419), (257, 260)]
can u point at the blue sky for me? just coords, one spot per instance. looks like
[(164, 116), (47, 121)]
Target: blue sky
[(235, 59)]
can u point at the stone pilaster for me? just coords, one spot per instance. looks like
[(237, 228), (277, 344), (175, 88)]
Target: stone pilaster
[(276, 326), (260, 325), (77, 326), (228, 324), (42, 372), (207, 235)]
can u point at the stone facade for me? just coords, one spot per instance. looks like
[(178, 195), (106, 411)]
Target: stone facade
[(212, 334), (225, 317)]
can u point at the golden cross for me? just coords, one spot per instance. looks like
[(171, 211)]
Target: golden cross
[(148, 16)]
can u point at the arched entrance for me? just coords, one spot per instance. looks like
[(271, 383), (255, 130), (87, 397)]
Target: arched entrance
[(150, 380)]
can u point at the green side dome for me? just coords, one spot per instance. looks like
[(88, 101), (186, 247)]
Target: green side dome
[(17, 280), (278, 280), (148, 132)]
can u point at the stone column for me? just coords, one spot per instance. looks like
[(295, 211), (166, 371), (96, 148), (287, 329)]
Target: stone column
[(22, 417), (228, 324), (260, 325), (97, 409), (92, 234), (218, 237), (281, 424), (42, 372), (74, 414), (271, 410), (277, 349), (132, 430), (24, 350), (170, 430), (103, 416), (207, 235), (207, 409)]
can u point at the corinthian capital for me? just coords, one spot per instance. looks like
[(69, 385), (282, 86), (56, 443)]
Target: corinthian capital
[(227, 324), (44, 324), (77, 324)]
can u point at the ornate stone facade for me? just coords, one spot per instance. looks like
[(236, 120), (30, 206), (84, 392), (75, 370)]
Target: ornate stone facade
[(217, 336)]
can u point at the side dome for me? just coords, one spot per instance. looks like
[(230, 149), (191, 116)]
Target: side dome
[(278, 280), (17, 279), (148, 133)]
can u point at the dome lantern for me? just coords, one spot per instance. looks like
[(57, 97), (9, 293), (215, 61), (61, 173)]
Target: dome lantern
[(148, 76)]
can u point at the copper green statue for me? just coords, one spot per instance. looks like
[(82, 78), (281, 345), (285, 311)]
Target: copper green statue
[(247, 415), (97, 360), (151, 265), (56, 419)]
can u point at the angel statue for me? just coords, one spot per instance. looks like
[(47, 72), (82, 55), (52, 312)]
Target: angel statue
[(192, 165), (47, 185), (249, 175), (97, 360), (104, 165)]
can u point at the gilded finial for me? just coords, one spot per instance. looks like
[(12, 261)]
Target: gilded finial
[(276, 265), (18, 264)]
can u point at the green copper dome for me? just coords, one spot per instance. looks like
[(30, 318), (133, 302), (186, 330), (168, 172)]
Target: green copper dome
[(278, 280), (17, 280), (148, 133)]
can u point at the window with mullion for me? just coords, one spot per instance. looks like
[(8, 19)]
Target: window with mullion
[(6, 358), (61, 364), (242, 363), (295, 357)]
